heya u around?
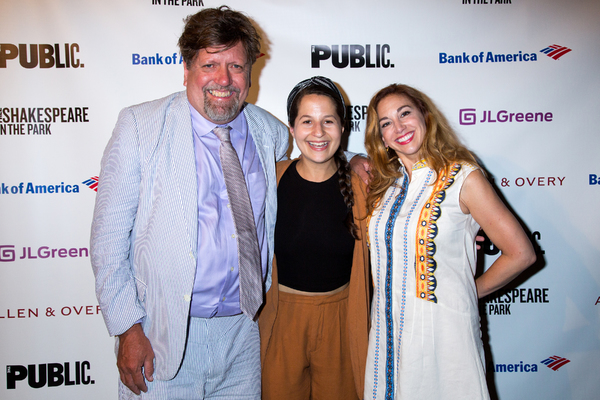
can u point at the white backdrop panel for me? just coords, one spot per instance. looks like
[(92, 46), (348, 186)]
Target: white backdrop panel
[(545, 170)]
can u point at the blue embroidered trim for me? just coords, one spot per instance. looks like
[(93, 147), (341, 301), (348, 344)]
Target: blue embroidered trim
[(378, 294), (405, 264), (389, 230)]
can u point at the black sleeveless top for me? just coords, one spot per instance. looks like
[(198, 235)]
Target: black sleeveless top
[(313, 245)]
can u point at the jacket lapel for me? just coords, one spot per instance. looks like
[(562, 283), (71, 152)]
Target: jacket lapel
[(178, 124)]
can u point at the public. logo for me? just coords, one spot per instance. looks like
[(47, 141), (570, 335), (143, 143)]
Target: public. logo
[(352, 55), (555, 362), (42, 55), (51, 374), (490, 249), (555, 51)]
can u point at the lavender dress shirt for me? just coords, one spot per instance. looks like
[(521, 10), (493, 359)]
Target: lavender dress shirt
[(216, 286)]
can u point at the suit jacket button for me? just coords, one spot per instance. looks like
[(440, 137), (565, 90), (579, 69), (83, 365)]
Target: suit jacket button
[(187, 298)]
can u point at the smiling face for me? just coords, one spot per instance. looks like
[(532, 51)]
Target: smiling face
[(217, 82), (402, 127), (318, 132)]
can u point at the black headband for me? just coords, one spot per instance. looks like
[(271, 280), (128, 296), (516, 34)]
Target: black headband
[(314, 81)]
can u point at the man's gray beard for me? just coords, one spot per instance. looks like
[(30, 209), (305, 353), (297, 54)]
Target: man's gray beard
[(222, 114)]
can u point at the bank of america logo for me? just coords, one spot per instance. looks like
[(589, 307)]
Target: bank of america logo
[(92, 183), (555, 51), (555, 362)]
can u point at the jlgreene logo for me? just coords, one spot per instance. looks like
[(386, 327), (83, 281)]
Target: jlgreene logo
[(469, 116), (8, 253)]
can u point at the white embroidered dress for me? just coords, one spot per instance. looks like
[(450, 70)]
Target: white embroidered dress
[(426, 345)]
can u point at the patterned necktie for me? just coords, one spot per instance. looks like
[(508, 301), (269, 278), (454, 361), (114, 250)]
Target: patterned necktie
[(251, 287)]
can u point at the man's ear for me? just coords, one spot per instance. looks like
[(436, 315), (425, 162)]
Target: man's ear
[(185, 73)]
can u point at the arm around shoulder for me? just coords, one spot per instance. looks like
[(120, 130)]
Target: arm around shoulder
[(360, 165), (480, 200)]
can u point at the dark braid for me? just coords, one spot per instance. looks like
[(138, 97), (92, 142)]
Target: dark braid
[(345, 182)]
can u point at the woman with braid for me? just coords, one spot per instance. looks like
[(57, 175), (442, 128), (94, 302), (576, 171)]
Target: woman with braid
[(314, 326), (428, 198)]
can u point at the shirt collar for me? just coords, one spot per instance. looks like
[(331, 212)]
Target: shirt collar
[(420, 164), (416, 166)]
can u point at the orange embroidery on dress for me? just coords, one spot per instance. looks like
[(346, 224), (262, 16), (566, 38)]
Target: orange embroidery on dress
[(427, 231)]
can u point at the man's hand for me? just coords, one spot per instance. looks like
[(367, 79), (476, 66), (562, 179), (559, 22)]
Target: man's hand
[(479, 239), (361, 167), (135, 359)]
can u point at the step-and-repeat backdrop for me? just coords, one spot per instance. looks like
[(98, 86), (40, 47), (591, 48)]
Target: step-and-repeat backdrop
[(518, 79)]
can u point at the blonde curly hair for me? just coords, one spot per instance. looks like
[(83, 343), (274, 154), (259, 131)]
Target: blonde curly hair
[(440, 149)]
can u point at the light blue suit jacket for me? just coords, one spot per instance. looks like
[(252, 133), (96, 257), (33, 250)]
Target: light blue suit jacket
[(145, 226)]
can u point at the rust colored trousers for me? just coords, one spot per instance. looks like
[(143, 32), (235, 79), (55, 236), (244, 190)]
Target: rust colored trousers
[(309, 356)]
